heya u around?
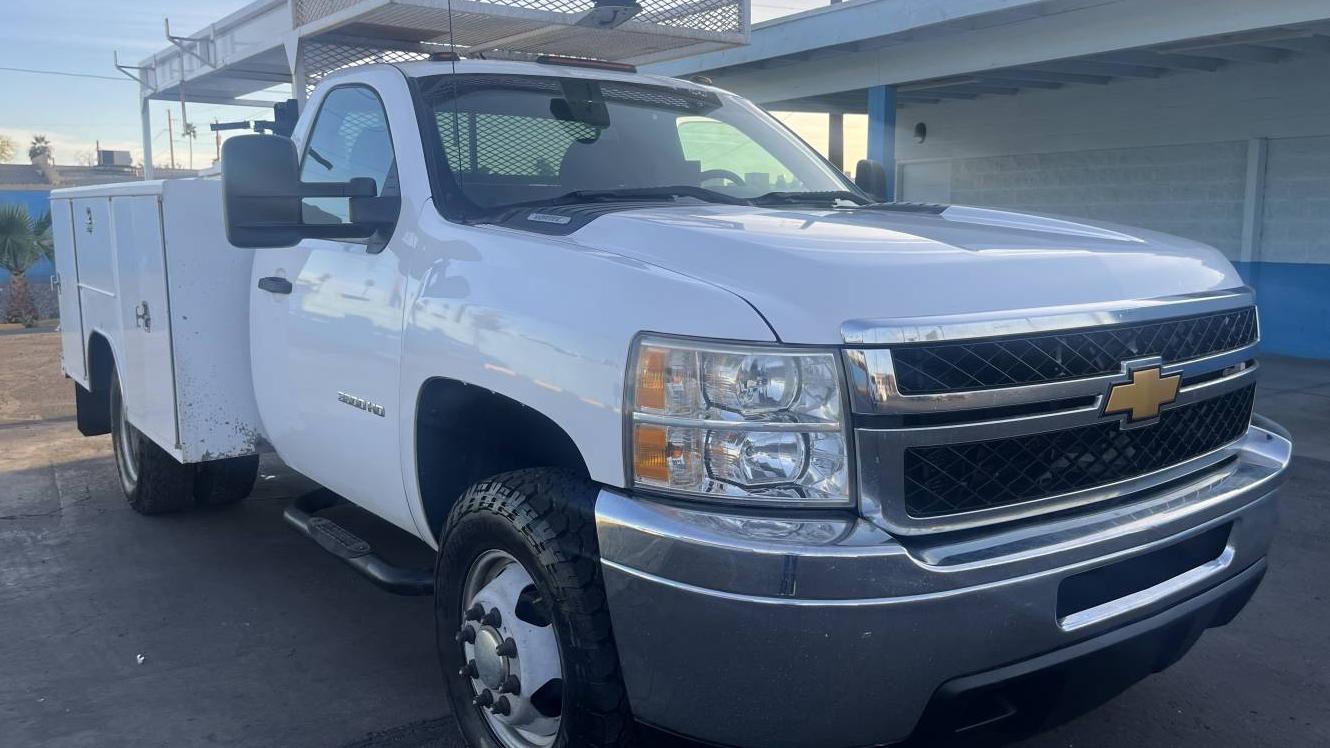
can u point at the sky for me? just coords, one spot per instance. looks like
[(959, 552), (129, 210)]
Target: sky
[(78, 37)]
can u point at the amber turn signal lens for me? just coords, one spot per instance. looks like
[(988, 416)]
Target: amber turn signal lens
[(651, 379), (651, 451)]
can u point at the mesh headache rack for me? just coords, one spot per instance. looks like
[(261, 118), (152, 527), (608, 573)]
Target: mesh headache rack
[(619, 30)]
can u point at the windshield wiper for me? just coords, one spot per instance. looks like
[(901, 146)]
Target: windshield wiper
[(641, 193), (633, 194), (805, 198), (644, 193)]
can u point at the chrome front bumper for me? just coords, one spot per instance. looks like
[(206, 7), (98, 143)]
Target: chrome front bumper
[(752, 631)]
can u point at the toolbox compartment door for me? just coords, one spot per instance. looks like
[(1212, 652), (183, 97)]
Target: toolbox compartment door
[(66, 283), (146, 351)]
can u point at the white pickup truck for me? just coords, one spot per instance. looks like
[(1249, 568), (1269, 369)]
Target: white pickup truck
[(706, 436)]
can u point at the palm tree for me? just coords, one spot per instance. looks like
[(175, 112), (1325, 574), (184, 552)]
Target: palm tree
[(21, 245), (40, 147), (41, 234)]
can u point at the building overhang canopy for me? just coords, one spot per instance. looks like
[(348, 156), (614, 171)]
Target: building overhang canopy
[(826, 59)]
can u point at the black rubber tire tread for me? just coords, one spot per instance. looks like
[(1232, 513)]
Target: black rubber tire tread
[(225, 482), (551, 513), (164, 485)]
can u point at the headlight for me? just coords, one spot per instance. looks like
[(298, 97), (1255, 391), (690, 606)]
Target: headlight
[(752, 424)]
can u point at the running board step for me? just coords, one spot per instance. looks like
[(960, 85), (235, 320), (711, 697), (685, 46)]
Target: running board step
[(351, 548)]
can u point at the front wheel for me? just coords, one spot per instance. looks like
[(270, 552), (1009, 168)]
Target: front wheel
[(521, 617)]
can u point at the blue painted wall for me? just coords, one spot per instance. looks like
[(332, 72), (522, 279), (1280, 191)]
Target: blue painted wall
[(1295, 306), (38, 202)]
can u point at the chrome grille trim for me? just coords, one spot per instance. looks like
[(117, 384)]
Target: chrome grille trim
[(881, 450), (879, 332), (873, 385)]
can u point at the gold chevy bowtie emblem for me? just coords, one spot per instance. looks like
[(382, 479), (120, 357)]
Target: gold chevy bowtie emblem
[(1143, 396)]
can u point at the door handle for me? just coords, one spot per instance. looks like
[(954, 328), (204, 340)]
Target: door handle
[(273, 284), (143, 317)]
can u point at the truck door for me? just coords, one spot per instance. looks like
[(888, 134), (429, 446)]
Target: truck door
[(326, 333)]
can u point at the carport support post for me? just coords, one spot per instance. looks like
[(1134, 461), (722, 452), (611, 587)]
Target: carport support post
[(295, 58), (882, 132), (836, 139), (836, 134), (146, 113)]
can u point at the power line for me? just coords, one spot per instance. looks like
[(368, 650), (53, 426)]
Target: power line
[(68, 75)]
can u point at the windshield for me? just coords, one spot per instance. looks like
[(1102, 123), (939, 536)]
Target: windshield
[(521, 140)]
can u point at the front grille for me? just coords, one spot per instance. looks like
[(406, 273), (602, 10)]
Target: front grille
[(1014, 361), (949, 479)]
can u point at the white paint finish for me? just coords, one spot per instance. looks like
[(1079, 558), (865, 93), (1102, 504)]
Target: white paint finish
[(340, 331), (95, 244), (1123, 24), (209, 286), (72, 355), (547, 322), (510, 67), (146, 373), (94, 255), (187, 380), (1296, 213), (808, 271)]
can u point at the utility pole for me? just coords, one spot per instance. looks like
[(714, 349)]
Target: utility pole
[(217, 136), (170, 136)]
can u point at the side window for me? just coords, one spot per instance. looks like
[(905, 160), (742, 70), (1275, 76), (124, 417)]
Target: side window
[(350, 139), (721, 147)]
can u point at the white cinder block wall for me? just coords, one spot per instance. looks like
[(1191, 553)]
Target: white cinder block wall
[(1171, 153), (1296, 215)]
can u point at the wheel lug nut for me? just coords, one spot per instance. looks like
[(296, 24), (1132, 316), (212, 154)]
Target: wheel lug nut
[(502, 706), (492, 618), (469, 670), (474, 612), (507, 649), (511, 685), (467, 635), (485, 698)]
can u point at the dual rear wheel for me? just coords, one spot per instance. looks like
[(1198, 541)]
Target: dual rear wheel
[(154, 482)]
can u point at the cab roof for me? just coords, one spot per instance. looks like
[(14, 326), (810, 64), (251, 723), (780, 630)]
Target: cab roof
[(512, 67)]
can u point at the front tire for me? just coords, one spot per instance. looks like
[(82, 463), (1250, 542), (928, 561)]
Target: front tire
[(153, 481), (521, 617)]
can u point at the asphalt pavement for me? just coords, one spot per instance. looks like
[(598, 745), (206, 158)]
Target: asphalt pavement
[(227, 628)]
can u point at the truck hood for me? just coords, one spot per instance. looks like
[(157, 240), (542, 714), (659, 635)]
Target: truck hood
[(810, 271)]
